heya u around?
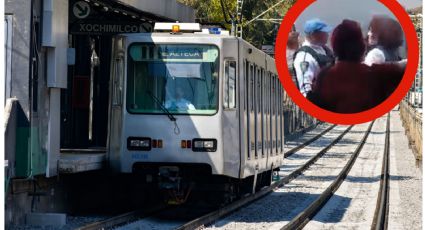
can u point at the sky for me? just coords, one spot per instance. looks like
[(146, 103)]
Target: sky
[(410, 3), (359, 10)]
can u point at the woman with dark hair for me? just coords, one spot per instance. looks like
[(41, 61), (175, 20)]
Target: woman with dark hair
[(384, 38), (350, 86)]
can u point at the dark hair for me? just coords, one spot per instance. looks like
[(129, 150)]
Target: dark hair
[(388, 31), (347, 41), (293, 39)]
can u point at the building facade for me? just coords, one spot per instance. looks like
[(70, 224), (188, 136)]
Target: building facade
[(57, 80)]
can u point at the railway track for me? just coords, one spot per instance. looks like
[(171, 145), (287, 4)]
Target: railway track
[(140, 214), (380, 219), (304, 217), (217, 214), (122, 219), (299, 221), (381, 213), (309, 141)]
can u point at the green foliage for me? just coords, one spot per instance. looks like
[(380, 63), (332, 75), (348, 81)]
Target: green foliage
[(210, 11), (258, 32)]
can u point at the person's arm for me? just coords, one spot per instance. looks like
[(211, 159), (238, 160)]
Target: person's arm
[(305, 68), (191, 106), (375, 56), (168, 104), (188, 104), (402, 63)]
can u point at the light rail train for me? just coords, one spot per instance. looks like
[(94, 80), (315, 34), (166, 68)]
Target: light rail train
[(194, 110)]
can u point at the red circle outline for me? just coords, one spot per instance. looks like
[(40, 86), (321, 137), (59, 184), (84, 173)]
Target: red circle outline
[(354, 118)]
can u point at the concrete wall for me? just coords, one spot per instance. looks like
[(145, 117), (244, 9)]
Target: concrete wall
[(164, 8), (56, 42), (21, 13)]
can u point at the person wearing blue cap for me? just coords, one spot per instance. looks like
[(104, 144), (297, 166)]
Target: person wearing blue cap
[(313, 55)]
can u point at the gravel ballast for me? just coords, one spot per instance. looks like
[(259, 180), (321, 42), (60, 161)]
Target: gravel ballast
[(278, 208), (353, 204)]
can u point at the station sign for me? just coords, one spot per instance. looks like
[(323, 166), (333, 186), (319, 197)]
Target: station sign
[(102, 27), (81, 9)]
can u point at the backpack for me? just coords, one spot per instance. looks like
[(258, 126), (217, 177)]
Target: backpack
[(322, 60)]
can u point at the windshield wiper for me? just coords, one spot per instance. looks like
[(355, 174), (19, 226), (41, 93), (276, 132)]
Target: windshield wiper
[(169, 115)]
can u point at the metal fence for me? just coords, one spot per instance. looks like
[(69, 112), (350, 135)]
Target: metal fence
[(296, 120)]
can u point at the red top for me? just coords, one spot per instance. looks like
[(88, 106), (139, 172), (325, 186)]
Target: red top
[(351, 87)]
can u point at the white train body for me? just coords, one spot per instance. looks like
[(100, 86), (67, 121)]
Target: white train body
[(232, 101)]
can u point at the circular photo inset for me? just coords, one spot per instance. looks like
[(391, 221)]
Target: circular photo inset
[(350, 65)]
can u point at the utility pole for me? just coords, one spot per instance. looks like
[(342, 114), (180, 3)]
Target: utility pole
[(238, 23)]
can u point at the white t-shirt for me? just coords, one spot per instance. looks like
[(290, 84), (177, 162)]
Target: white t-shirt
[(179, 104), (375, 56)]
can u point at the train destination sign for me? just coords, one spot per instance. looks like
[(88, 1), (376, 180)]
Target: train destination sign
[(106, 28), (171, 53), (181, 54)]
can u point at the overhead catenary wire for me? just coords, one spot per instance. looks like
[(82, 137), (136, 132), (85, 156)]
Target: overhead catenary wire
[(264, 12)]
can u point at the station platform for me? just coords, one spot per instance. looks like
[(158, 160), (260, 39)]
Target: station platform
[(81, 160)]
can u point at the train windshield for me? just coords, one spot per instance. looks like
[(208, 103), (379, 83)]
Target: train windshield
[(183, 79)]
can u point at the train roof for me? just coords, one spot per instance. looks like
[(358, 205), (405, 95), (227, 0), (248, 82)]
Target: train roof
[(167, 34)]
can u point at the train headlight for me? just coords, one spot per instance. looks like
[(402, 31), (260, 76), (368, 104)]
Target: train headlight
[(208, 144), (198, 144), (134, 143), (204, 145), (139, 143)]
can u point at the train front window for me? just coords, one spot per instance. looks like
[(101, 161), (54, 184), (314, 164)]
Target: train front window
[(180, 78)]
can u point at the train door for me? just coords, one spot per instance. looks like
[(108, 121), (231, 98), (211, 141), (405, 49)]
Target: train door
[(267, 113), (262, 113), (281, 121), (272, 115), (251, 117), (230, 130), (246, 109), (258, 124)]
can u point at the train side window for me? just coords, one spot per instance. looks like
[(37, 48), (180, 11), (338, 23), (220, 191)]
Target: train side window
[(276, 95), (247, 106), (255, 104), (267, 111), (246, 80), (262, 106), (281, 116), (279, 122), (230, 84), (251, 87)]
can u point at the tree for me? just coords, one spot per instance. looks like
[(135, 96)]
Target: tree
[(259, 32)]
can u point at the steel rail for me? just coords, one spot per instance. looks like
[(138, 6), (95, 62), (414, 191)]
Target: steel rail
[(213, 216), (217, 214), (309, 141), (305, 216), (380, 218), (121, 219)]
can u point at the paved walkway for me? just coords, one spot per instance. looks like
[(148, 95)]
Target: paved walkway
[(406, 180)]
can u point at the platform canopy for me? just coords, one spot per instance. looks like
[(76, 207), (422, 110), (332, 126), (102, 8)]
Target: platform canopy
[(124, 16), (170, 9)]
